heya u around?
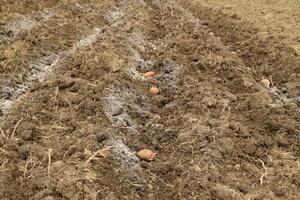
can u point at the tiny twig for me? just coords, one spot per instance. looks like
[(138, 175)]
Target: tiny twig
[(93, 194), (6, 63), (49, 162), (101, 152), (265, 173), (55, 98), (15, 128), (48, 137), (271, 81), (168, 184), (4, 162), (3, 133), (26, 165), (92, 85), (5, 152)]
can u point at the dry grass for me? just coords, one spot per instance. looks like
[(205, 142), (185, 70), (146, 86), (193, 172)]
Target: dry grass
[(102, 152), (297, 2)]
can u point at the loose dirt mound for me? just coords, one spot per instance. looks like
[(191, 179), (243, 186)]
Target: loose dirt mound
[(71, 125)]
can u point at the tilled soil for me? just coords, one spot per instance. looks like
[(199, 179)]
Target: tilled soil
[(75, 107)]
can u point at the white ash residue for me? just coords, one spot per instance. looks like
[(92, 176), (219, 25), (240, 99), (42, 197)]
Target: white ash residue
[(114, 15), (90, 39), (127, 160), (169, 72), (20, 24), (25, 23), (47, 14), (16, 87), (118, 101)]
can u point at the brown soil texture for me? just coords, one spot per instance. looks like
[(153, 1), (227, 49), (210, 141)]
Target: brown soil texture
[(70, 126)]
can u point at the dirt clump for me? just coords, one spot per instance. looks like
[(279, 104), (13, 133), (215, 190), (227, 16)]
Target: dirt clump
[(216, 132)]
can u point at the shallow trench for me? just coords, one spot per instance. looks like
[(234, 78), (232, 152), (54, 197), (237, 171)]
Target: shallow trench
[(86, 112)]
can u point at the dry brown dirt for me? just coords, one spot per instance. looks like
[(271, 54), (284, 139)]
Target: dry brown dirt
[(75, 108)]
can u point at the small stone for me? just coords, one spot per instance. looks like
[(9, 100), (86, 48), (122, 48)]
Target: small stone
[(243, 188), (57, 164), (153, 178), (248, 81), (115, 68), (212, 104), (237, 166), (156, 118), (265, 82), (150, 187), (284, 90), (197, 169), (66, 82), (151, 196)]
